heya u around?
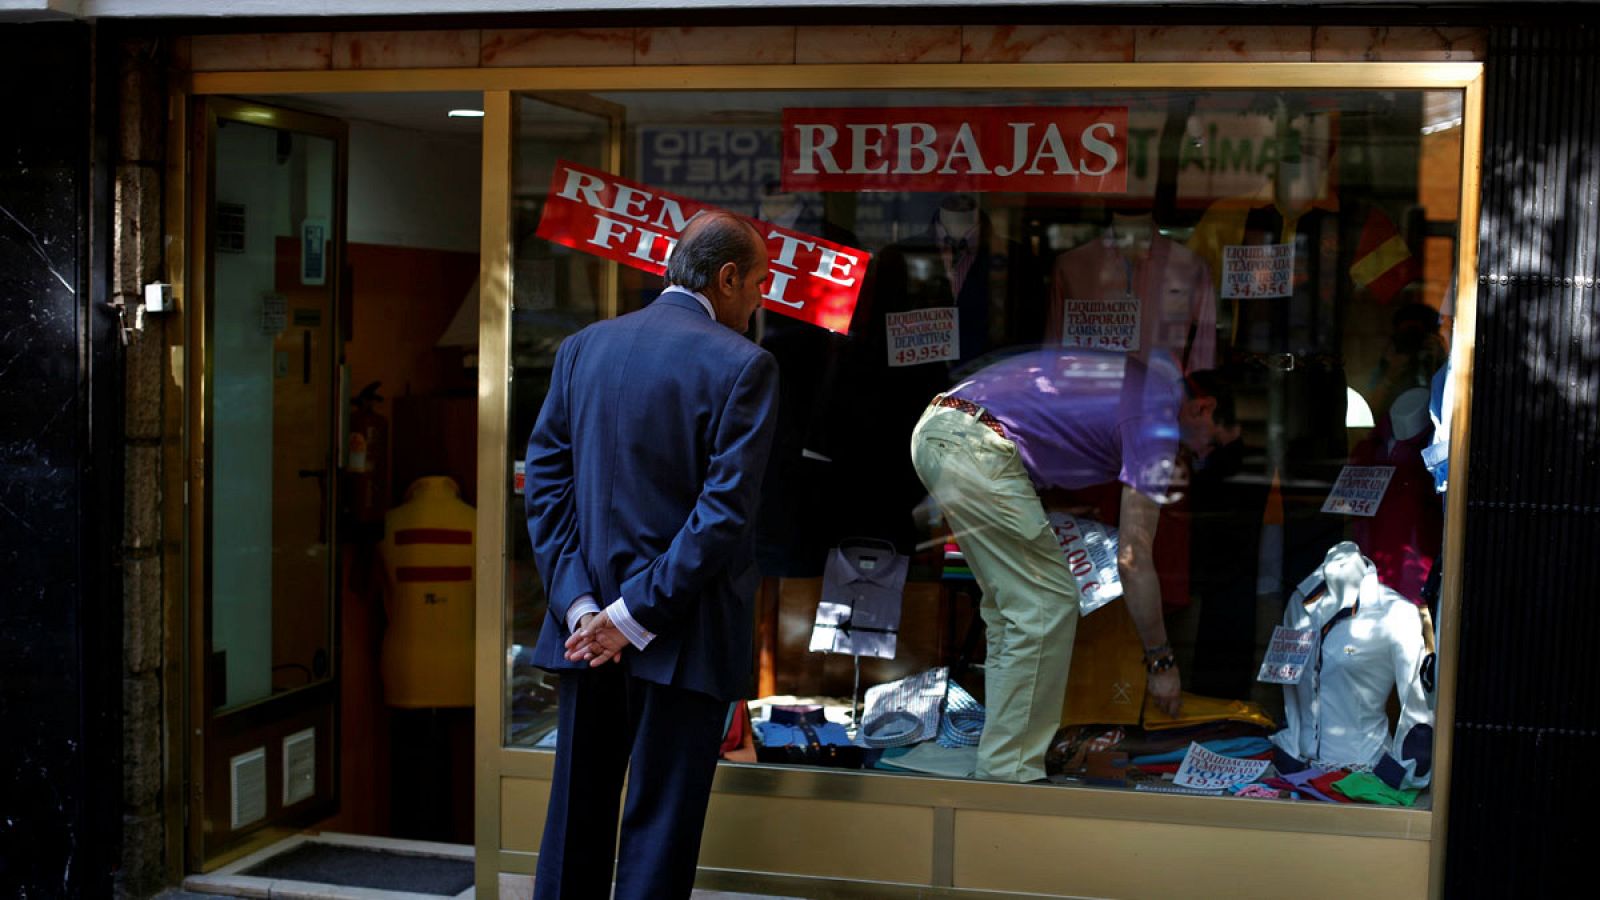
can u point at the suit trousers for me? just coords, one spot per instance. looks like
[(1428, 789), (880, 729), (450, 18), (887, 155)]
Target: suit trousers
[(1030, 597), (666, 740)]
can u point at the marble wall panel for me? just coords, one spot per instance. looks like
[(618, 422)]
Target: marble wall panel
[(1046, 43), (557, 47), (260, 52), (878, 44), (1229, 43), (58, 678), (405, 49), (760, 45), (1403, 44)]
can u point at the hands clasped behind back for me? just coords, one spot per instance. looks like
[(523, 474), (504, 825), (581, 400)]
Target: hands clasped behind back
[(597, 640)]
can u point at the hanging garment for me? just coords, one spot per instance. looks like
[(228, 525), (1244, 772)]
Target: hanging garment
[(1166, 299), (1441, 404), (1405, 536), (429, 557), (859, 613), (1369, 643)]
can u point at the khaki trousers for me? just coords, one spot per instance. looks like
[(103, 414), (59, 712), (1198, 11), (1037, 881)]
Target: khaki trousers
[(1030, 598)]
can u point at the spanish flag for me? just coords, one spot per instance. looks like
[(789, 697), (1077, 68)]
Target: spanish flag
[(1384, 264)]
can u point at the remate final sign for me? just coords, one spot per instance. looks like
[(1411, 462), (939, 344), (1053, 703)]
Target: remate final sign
[(812, 280), (1066, 149)]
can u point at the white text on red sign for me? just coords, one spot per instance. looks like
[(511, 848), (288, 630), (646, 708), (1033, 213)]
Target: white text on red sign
[(1022, 148), (811, 279)]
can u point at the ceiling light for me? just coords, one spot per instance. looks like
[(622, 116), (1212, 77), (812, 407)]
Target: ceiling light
[(466, 113), (1357, 413)]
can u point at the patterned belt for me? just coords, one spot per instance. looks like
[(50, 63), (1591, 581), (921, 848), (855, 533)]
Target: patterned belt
[(974, 410)]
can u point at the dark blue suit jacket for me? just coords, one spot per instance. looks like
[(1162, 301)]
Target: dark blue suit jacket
[(643, 474)]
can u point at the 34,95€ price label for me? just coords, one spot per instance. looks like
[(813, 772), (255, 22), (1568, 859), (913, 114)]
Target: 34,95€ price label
[(1359, 490), (1287, 655)]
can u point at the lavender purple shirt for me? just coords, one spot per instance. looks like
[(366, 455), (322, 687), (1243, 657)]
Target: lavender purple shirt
[(1081, 418)]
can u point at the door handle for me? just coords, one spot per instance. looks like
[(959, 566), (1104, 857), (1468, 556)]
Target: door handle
[(321, 475)]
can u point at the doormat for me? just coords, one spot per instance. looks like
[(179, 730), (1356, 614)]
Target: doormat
[(365, 867)]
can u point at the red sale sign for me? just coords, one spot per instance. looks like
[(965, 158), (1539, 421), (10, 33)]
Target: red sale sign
[(1082, 149), (812, 280)]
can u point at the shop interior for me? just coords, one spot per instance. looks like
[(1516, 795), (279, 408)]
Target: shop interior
[(1331, 370), (362, 581)]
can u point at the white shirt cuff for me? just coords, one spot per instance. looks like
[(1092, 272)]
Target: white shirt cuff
[(580, 607), (633, 631)]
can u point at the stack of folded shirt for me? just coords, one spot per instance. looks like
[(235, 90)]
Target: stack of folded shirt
[(1237, 748), (962, 722), (802, 735)]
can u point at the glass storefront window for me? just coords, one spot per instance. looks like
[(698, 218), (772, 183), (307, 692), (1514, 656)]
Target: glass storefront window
[(1203, 330)]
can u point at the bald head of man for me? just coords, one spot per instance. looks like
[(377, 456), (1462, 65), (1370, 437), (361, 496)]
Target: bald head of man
[(724, 258)]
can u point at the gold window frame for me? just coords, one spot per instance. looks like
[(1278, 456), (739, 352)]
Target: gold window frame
[(499, 768)]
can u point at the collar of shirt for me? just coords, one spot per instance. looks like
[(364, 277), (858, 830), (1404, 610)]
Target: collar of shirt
[(944, 236), (1326, 608), (797, 715), (882, 574), (695, 294)]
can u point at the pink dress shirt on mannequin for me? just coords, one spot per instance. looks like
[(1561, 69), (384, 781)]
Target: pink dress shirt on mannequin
[(1172, 284)]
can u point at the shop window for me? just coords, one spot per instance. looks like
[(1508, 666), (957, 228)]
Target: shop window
[(1192, 345)]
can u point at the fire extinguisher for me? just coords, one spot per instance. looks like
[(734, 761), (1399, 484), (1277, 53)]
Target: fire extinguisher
[(367, 466)]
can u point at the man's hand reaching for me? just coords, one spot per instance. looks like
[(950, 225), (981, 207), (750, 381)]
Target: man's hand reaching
[(1166, 691), (596, 641)]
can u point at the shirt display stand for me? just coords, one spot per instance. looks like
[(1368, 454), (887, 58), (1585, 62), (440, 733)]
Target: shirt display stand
[(859, 612)]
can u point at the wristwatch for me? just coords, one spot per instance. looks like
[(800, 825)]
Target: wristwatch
[(1159, 659)]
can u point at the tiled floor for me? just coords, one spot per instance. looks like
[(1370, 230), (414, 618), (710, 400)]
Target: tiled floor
[(233, 881)]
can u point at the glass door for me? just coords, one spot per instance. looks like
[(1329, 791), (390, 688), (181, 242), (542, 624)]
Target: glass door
[(264, 668), (555, 291)]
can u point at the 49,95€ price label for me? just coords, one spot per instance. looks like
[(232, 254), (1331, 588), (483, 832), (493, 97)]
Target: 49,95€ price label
[(923, 336)]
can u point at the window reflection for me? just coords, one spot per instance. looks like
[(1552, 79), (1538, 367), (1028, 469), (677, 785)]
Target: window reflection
[(1296, 246)]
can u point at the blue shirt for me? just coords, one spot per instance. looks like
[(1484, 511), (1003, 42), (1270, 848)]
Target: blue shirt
[(800, 726)]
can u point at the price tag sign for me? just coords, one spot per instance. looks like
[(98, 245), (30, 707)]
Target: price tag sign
[(1209, 771), (1287, 655), (1257, 270), (1091, 551), (1358, 491), (923, 336), (1101, 324)]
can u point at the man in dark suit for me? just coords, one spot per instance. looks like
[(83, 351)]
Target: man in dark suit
[(643, 474)]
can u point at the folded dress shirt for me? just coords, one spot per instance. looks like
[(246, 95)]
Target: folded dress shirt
[(905, 712), (802, 735), (962, 722)]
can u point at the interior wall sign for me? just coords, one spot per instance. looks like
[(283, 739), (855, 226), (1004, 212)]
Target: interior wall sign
[(812, 280), (1070, 149)]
